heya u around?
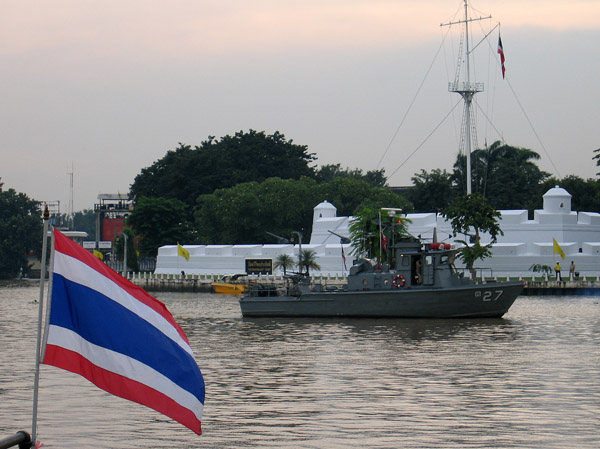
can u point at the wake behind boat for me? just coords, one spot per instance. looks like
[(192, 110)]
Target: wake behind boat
[(423, 284)]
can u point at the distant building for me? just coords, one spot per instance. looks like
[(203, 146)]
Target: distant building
[(112, 211), (524, 243)]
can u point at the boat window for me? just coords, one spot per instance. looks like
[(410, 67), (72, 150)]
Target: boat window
[(428, 260), (444, 259), (405, 261)]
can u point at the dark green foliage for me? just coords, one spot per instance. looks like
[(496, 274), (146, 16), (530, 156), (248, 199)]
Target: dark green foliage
[(246, 212), (187, 172), (366, 233), (329, 172), (433, 191), (160, 221), (284, 262), (307, 260), (85, 221), (133, 263), (20, 232), (507, 176), (472, 215)]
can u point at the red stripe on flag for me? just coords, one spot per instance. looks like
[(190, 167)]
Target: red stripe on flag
[(121, 386)]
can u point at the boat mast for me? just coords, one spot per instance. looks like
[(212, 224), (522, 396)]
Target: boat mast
[(467, 90)]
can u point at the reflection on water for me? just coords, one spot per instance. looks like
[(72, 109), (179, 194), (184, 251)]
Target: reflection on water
[(529, 380)]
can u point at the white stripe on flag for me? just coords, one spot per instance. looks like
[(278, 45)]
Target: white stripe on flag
[(81, 273), (125, 366)]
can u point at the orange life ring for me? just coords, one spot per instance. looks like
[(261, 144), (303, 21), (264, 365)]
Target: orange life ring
[(401, 283)]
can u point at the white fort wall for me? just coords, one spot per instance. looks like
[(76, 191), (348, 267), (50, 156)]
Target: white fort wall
[(524, 243)]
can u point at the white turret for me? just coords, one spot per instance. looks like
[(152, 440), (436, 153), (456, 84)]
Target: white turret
[(324, 210), (557, 201), (326, 221)]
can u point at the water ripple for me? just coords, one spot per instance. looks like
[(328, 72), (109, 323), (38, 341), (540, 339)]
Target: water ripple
[(529, 380)]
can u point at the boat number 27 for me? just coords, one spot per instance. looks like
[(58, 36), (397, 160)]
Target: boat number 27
[(489, 295)]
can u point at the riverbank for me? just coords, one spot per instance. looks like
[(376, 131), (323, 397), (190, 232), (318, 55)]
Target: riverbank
[(202, 284), (532, 288)]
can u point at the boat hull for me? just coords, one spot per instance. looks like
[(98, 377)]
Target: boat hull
[(229, 289), (490, 300)]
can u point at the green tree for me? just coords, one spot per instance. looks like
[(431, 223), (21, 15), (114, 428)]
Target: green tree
[(348, 194), (85, 220), (329, 172), (371, 227), (472, 215), (307, 259), (432, 191), (133, 263), (20, 232), (284, 262), (186, 173), (158, 222), (243, 213), (507, 176)]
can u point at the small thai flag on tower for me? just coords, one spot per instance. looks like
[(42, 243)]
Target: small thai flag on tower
[(501, 53)]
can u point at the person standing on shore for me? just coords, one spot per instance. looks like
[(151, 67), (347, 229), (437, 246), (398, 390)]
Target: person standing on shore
[(572, 271), (557, 270)]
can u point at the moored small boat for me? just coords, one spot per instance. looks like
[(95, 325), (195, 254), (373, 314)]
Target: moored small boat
[(236, 284)]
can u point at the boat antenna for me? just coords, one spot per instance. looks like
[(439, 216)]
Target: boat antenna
[(467, 90)]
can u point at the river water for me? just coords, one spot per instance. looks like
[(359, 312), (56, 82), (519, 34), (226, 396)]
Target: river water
[(529, 380)]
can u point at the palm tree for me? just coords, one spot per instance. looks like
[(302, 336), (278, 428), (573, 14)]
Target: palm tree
[(284, 261), (307, 258)]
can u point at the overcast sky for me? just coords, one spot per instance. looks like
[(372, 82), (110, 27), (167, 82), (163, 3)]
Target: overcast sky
[(108, 87)]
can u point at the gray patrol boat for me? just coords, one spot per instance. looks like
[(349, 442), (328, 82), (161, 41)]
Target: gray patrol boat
[(423, 284)]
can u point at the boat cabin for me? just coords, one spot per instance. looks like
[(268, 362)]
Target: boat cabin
[(415, 266)]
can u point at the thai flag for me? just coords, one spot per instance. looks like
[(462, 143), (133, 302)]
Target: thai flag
[(120, 338), (384, 241), (501, 53)]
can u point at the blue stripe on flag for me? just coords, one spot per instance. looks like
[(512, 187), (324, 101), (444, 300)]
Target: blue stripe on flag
[(105, 323)]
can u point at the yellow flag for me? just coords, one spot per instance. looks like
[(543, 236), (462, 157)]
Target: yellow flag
[(98, 254), (558, 249), (181, 251)]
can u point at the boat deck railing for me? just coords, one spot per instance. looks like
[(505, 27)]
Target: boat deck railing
[(21, 439)]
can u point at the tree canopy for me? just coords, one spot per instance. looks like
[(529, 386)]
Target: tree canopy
[(160, 221), (368, 234), (246, 212), (432, 191), (186, 173), (507, 176), (472, 215), (20, 232), (329, 172)]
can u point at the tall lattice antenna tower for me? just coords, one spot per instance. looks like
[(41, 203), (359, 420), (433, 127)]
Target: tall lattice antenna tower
[(462, 85)]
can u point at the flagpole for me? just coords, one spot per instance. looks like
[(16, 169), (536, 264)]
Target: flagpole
[(36, 380), (48, 300)]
